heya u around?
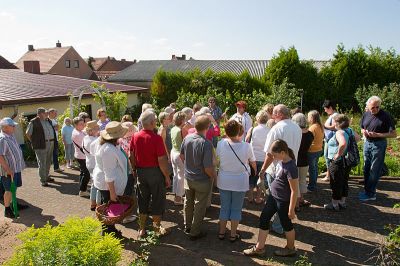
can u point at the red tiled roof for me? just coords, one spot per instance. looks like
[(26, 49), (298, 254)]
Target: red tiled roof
[(4, 64), (47, 57), (113, 64), (18, 87)]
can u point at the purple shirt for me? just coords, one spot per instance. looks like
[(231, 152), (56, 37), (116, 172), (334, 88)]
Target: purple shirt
[(280, 188), (103, 125)]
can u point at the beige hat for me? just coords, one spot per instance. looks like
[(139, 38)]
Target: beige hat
[(91, 125), (114, 130)]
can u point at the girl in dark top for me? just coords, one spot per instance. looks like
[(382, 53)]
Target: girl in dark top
[(282, 200)]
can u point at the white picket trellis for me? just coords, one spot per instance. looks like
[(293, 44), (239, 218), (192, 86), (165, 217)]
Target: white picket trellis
[(79, 93)]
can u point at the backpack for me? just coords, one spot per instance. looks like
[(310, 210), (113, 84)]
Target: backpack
[(352, 157)]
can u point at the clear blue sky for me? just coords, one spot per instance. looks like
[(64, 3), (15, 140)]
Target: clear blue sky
[(206, 29)]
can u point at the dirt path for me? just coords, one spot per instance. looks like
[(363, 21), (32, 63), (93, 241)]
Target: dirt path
[(329, 238)]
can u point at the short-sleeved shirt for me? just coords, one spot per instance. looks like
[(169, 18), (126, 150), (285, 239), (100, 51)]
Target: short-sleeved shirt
[(147, 146), (54, 122), (318, 141), (66, 132), (12, 153), (379, 123), (232, 175), (198, 154), (258, 138), (280, 188), (306, 140), (328, 132), (77, 138), (216, 112), (245, 120), (176, 138), (103, 125)]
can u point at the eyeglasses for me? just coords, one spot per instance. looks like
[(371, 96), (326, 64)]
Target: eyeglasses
[(374, 107), (211, 102)]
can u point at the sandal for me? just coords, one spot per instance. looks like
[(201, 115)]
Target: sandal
[(305, 203), (221, 236), (253, 251), (233, 239)]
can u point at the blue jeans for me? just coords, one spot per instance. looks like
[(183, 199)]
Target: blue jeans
[(374, 158), (276, 222), (231, 205), (313, 158)]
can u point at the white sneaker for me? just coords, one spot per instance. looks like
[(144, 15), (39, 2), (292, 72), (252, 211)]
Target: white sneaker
[(129, 219), (84, 194)]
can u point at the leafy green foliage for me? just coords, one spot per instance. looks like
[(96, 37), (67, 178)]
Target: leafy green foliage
[(116, 102), (184, 87), (355, 68), (303, 261), (286, 94), (76, 242), (389, 94), (152, 239)]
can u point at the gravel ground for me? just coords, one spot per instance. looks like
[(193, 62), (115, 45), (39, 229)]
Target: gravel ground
[(329, 238)]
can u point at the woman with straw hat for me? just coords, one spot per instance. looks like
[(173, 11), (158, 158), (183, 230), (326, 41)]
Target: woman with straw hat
[(110, 173)]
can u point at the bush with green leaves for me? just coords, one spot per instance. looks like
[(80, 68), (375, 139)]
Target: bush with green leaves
[(75, 242), (115, 102), (389, 94)]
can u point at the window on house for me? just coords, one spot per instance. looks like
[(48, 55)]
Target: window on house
[(67, 63), (76, 63)]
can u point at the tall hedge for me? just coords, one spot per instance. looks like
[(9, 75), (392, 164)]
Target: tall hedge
[(338, 80)]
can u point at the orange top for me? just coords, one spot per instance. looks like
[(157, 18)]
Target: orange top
[(318, 141)]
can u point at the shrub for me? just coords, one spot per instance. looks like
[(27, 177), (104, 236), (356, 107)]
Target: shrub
[(116, 102), (76, 242), (389, 94)]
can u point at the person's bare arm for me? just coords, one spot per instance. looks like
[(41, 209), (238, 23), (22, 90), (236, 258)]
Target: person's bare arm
[(390, 134), (330, 127), (294, 186), (132, 160), (111, 188), (211, 172), (254, 166), (341, 145), (5, 166), (267, 162), (163, 163), (248, 135)]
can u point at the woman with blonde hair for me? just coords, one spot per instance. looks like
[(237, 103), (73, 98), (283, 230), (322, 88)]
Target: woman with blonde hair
[(316, 148)]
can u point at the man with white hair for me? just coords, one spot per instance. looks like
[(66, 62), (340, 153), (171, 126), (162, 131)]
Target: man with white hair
[(376, 126), (284, 129), (11, 163), (150, 162)]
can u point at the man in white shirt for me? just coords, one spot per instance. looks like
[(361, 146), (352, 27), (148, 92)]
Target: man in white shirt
[(288, 131)]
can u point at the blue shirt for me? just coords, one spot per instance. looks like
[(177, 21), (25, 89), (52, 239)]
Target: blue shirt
[(380, 123), (66, 132), (333, 144), (12, 153)]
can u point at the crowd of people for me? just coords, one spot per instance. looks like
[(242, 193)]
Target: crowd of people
[(267, 161)]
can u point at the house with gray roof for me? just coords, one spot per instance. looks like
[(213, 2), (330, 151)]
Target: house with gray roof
[(141, 74)]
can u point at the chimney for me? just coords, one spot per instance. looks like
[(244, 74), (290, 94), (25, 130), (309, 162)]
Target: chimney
[(32, 67), (183, 57), (173, 57), (58, 44), (134, 61), (123, 59), (30, 47)]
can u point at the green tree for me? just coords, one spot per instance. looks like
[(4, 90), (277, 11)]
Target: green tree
[(116, 102)]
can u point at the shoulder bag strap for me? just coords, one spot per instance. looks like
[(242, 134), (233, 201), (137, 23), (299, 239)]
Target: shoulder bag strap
[(238, 158)]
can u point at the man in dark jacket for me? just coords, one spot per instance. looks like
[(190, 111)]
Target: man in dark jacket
[(41, 133)]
